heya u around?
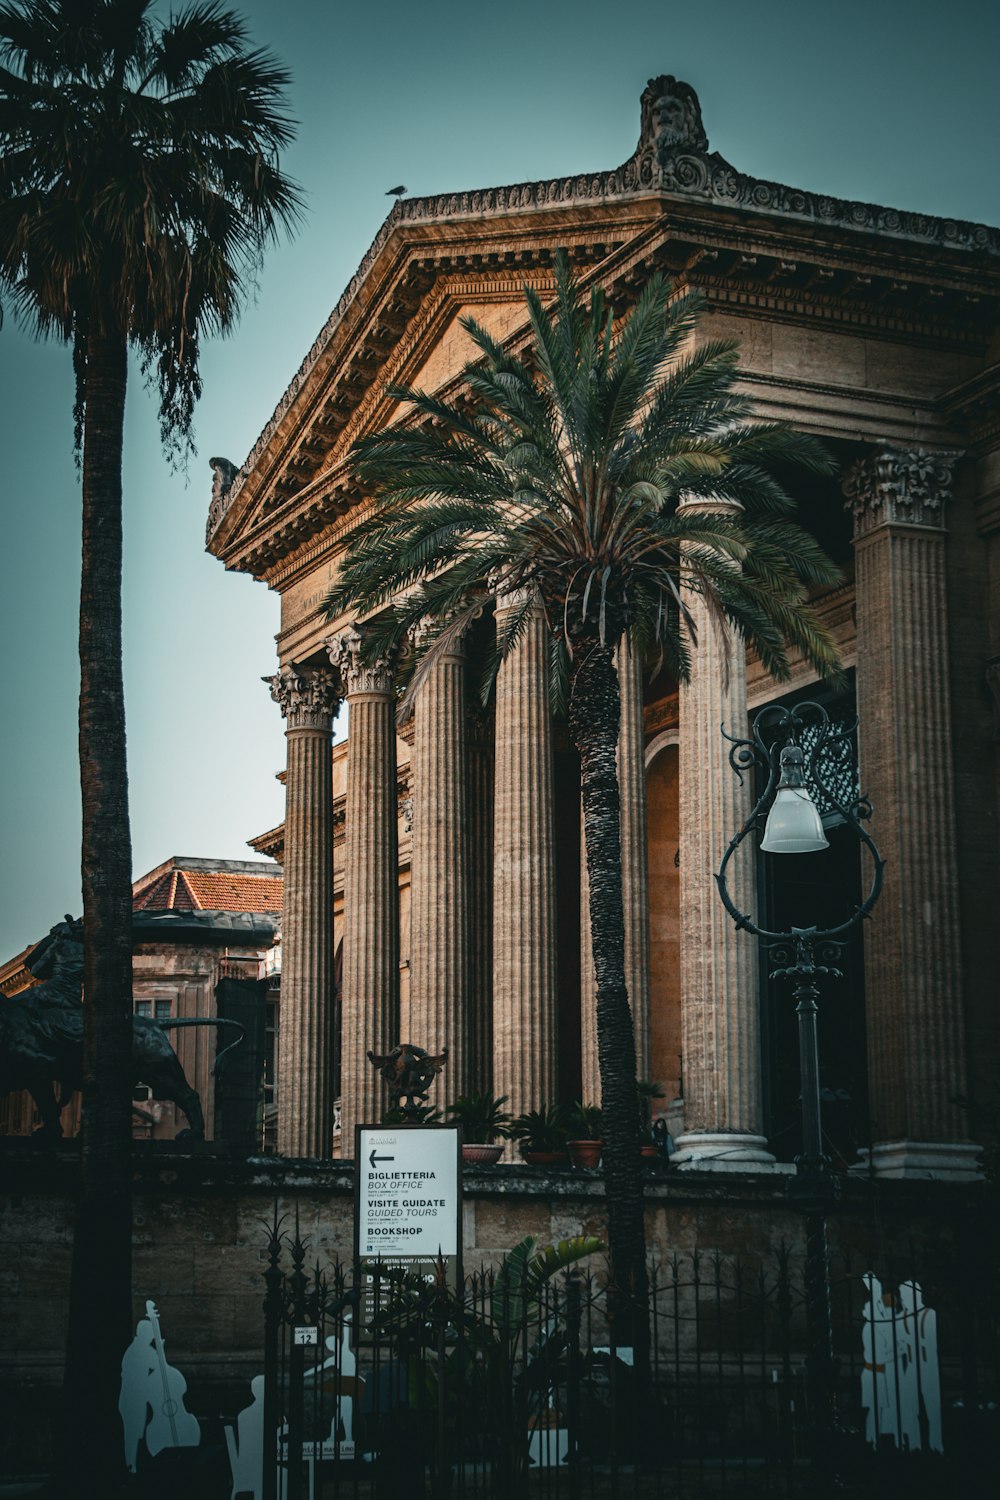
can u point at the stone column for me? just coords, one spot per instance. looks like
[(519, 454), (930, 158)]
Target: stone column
[(370, 1008), (439, 882), (720, 1014), (480, 841), (635, 888), (524, 923), (913, 975), (307, 699)]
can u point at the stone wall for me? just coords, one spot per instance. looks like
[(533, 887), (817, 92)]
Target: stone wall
[(200, 1229)]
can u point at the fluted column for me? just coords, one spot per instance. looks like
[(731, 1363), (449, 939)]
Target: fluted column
[(720, 1017), (439, 882), (307, 699), (480, 842), (524, 926), (913, 976), (370, 1007)]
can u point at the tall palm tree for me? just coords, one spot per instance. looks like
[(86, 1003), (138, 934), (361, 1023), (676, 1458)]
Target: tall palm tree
[(559, 476), (139, 184)]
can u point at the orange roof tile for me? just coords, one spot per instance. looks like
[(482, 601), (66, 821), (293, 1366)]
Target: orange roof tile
[(210, 890)]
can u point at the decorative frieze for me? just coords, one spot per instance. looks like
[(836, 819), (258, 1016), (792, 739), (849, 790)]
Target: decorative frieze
[(899, 486)]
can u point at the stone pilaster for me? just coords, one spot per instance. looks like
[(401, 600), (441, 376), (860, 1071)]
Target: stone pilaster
[(308, 700), (370, 1009), (480, 767), (720, 1015), (439, 882), (524, 927), (913, 979)]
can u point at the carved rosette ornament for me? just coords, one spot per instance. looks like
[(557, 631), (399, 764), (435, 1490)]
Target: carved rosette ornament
[(899, 486), (358, 676), (307, 696)]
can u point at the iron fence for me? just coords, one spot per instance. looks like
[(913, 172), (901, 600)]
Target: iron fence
[(379, 1384)]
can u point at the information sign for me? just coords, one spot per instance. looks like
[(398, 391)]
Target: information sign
[(408, 1207), (409, 1191)]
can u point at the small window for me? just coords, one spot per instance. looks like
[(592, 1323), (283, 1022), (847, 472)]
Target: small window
[(164, 1010), (142, 1093), (144, 1008)]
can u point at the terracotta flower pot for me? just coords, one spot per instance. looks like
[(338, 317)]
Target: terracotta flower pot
[(483, 1156), (585, 1153), (545, 1158)]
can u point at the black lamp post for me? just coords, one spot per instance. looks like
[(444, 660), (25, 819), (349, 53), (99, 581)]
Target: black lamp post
[(798, 747)]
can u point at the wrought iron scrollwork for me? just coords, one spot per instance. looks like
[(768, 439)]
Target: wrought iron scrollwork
[(831, 772)]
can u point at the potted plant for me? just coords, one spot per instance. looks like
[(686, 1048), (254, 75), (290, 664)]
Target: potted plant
[(584, 1128), (541, 1135), (485, 1126), (647, 1092)]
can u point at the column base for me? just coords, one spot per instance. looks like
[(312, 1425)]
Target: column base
[(724, 1151), (944, 1161)]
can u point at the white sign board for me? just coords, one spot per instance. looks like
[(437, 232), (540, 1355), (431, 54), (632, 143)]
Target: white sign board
[(409, 1186)]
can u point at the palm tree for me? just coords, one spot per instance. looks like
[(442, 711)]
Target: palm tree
[(139, 184), (559, 476)]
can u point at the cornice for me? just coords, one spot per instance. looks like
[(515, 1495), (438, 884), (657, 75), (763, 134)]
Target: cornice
[(753, 246)]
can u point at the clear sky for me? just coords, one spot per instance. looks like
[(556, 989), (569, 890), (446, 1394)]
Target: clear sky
[(891, 101)]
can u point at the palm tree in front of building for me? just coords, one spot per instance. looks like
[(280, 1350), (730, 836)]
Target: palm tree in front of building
[(556, 480), (139, 183)]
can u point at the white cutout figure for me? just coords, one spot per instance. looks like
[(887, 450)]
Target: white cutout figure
[(171, 1425), (138, 1367), (245, 1445), (878, 1377), (548, 1443), (151, 1400), (900, 1382), (919, 1376), (338, 1374)]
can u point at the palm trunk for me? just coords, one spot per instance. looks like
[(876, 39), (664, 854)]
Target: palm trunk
[(100, 1312), (594, 713)]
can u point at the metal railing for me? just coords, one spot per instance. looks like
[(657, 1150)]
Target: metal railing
[(376, 1383)]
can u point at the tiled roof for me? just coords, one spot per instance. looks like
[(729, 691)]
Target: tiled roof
[(210, 890)]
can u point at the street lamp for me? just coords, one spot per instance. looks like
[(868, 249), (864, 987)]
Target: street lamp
[(798, 748)]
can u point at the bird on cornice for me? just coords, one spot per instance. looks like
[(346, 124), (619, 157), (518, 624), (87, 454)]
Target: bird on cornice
[(396, 192)]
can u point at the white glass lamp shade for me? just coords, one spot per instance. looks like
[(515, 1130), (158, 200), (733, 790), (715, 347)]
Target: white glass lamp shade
[(793, 824)]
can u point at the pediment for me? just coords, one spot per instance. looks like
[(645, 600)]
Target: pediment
[(453, 347)]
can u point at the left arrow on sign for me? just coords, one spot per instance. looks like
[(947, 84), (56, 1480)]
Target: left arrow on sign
[(373, 1158)]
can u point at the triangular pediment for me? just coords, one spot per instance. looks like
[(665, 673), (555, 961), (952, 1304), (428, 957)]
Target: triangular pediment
[(453, 347)]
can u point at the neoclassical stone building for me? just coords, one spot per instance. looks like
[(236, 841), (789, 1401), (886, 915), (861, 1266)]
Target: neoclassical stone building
[(433, 887)]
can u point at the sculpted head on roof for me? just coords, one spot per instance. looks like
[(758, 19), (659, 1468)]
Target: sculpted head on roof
[(671, 117)]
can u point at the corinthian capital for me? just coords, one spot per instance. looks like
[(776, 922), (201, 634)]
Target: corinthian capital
[(902, 486), (356, 675), (307, 696)]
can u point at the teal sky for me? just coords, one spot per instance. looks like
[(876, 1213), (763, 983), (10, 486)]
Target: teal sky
[(891, 101)]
